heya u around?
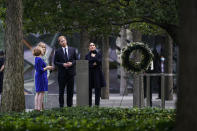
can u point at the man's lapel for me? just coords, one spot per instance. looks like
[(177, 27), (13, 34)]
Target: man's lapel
[(68, 52), (62, 51)]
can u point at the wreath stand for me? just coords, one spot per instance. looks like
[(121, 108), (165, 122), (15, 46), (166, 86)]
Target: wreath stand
[(137, 68)]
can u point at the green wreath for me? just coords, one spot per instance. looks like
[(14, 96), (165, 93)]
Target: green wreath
[(146, 57)]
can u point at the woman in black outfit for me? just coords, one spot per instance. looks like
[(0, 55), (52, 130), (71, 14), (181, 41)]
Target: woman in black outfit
[(96, 79)]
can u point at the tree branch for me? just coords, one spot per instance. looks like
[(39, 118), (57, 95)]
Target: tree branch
[(170, 28)]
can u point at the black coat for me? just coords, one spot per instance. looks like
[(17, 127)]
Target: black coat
[(96, 77), (59, 59)]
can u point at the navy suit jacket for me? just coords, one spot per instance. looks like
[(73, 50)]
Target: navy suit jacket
[(60, 59)]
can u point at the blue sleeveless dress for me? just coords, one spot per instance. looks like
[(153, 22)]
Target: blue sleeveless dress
[(41, 81)]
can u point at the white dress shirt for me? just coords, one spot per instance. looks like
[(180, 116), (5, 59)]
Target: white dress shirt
[(65, 49)]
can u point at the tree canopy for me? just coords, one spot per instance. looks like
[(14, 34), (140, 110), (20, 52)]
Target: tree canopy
[(98, 16)]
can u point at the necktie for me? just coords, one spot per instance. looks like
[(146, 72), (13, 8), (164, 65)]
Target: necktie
[(65, 53)]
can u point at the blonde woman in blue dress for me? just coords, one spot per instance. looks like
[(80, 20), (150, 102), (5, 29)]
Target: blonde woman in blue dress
[(41, 81), (44, 57)]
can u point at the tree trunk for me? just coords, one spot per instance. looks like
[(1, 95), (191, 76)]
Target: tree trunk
[(168, 54), (187, 93), (123, 74), (13, 88), (105, 66), (137, 82), (84, 43)]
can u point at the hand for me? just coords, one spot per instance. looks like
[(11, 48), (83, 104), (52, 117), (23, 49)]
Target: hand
[(93, 55), (49, 67), (52, 67), (94, 64), (65, 64), (69, 63)]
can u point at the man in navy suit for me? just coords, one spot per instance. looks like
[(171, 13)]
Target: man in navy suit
[(65, 59)]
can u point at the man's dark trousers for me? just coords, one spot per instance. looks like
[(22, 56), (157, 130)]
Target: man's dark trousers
[(63, 82)]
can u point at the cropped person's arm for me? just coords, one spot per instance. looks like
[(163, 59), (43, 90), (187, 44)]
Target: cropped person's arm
[(2, 68)]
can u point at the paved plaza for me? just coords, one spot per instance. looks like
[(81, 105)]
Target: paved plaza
[(115, 100)]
